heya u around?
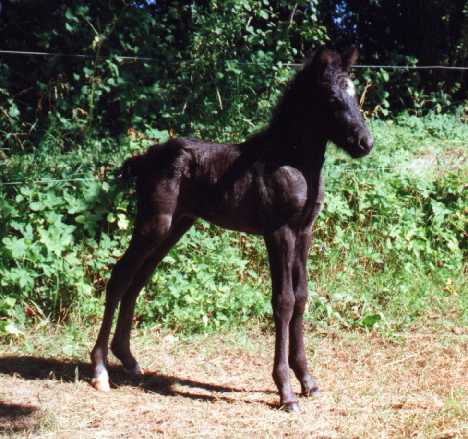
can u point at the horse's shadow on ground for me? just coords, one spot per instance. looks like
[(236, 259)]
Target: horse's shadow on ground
[(36, 368), (16, 418)]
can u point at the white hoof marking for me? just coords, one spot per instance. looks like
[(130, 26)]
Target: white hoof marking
[(101, 382)]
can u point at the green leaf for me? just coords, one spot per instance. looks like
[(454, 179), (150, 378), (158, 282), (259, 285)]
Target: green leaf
[(9, 301), (13, 111), (370, 320), (69, 15), (17, 246), (122, 221), (36, 206)]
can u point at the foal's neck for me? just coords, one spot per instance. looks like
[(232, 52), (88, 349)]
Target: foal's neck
[(283, 145)]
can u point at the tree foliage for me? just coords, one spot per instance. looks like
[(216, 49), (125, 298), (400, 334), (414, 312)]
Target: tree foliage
[(212, 62), (204, 57)]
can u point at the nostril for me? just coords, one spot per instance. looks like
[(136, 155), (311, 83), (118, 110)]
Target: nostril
[(366, 142)]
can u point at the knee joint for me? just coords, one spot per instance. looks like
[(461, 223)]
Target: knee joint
[(301, 299), (155, 228), (283, 304)]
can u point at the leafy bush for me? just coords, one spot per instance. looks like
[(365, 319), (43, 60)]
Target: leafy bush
[(388, 247), (389, 244)]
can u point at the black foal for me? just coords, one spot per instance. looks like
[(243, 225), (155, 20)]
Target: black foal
[(269, 185)]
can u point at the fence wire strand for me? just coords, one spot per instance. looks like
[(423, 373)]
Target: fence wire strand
[(46, 181), (151, 59), (346, 169), (338, 169)]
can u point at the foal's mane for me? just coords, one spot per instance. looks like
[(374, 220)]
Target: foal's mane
[(299, 91)]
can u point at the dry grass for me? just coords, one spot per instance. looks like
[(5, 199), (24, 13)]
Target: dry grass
[(436, 164), (413, 385)]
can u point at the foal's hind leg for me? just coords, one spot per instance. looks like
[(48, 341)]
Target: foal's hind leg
[(121, 341), (149, 229), (297, 356), (121, 278), (157, 202)]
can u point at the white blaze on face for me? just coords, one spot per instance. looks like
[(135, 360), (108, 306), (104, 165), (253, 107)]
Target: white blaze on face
[(350, 88)]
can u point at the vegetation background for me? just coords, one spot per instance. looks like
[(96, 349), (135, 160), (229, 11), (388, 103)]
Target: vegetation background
[(390, 246)]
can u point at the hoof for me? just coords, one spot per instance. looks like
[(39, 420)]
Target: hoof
[(290, 407), (314, 391), (101, 384), (136, 373), (310, 388)]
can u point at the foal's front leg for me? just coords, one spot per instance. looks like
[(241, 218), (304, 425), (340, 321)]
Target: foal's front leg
[(297, 355), (280, 245)]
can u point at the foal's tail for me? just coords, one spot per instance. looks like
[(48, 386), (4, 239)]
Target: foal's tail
[(156, 158), (131, 168)]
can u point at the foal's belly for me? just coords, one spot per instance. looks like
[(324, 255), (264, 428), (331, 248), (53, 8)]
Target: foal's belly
[(235, 208), (256, 202)]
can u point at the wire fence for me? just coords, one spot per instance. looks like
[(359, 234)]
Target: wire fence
[(150, 59), (47, 181), (342, 168)]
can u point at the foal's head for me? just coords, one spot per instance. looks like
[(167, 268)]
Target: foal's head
[(338, 112)]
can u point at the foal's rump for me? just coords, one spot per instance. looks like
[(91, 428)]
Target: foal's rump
[(157, 159)]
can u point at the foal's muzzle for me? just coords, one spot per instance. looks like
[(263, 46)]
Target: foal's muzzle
[(366, 142), (361, 145)]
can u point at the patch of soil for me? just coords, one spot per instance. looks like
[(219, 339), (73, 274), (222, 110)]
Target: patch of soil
[(413, 385)]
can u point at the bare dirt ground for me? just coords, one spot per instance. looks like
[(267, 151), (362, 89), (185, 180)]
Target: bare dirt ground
[(412, 385)]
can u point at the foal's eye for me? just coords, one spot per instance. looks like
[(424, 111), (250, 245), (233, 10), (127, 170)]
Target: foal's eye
[(336, 103)]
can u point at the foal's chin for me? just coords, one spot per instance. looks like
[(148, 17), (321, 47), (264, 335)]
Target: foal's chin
[(356, 152)]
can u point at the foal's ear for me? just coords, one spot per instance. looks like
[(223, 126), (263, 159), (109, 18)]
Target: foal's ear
[(350, 57), (326, 57), (322, 57)]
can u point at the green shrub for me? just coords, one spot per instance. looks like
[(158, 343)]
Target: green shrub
[(388, 247)]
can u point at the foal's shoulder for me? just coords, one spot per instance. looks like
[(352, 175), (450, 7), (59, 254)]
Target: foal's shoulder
[(290, 187), (289, 176)]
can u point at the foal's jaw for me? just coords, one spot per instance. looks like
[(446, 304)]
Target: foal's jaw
[(357, 145)]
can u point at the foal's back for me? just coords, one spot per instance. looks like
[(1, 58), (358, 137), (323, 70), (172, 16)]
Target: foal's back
[(237, 186)]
